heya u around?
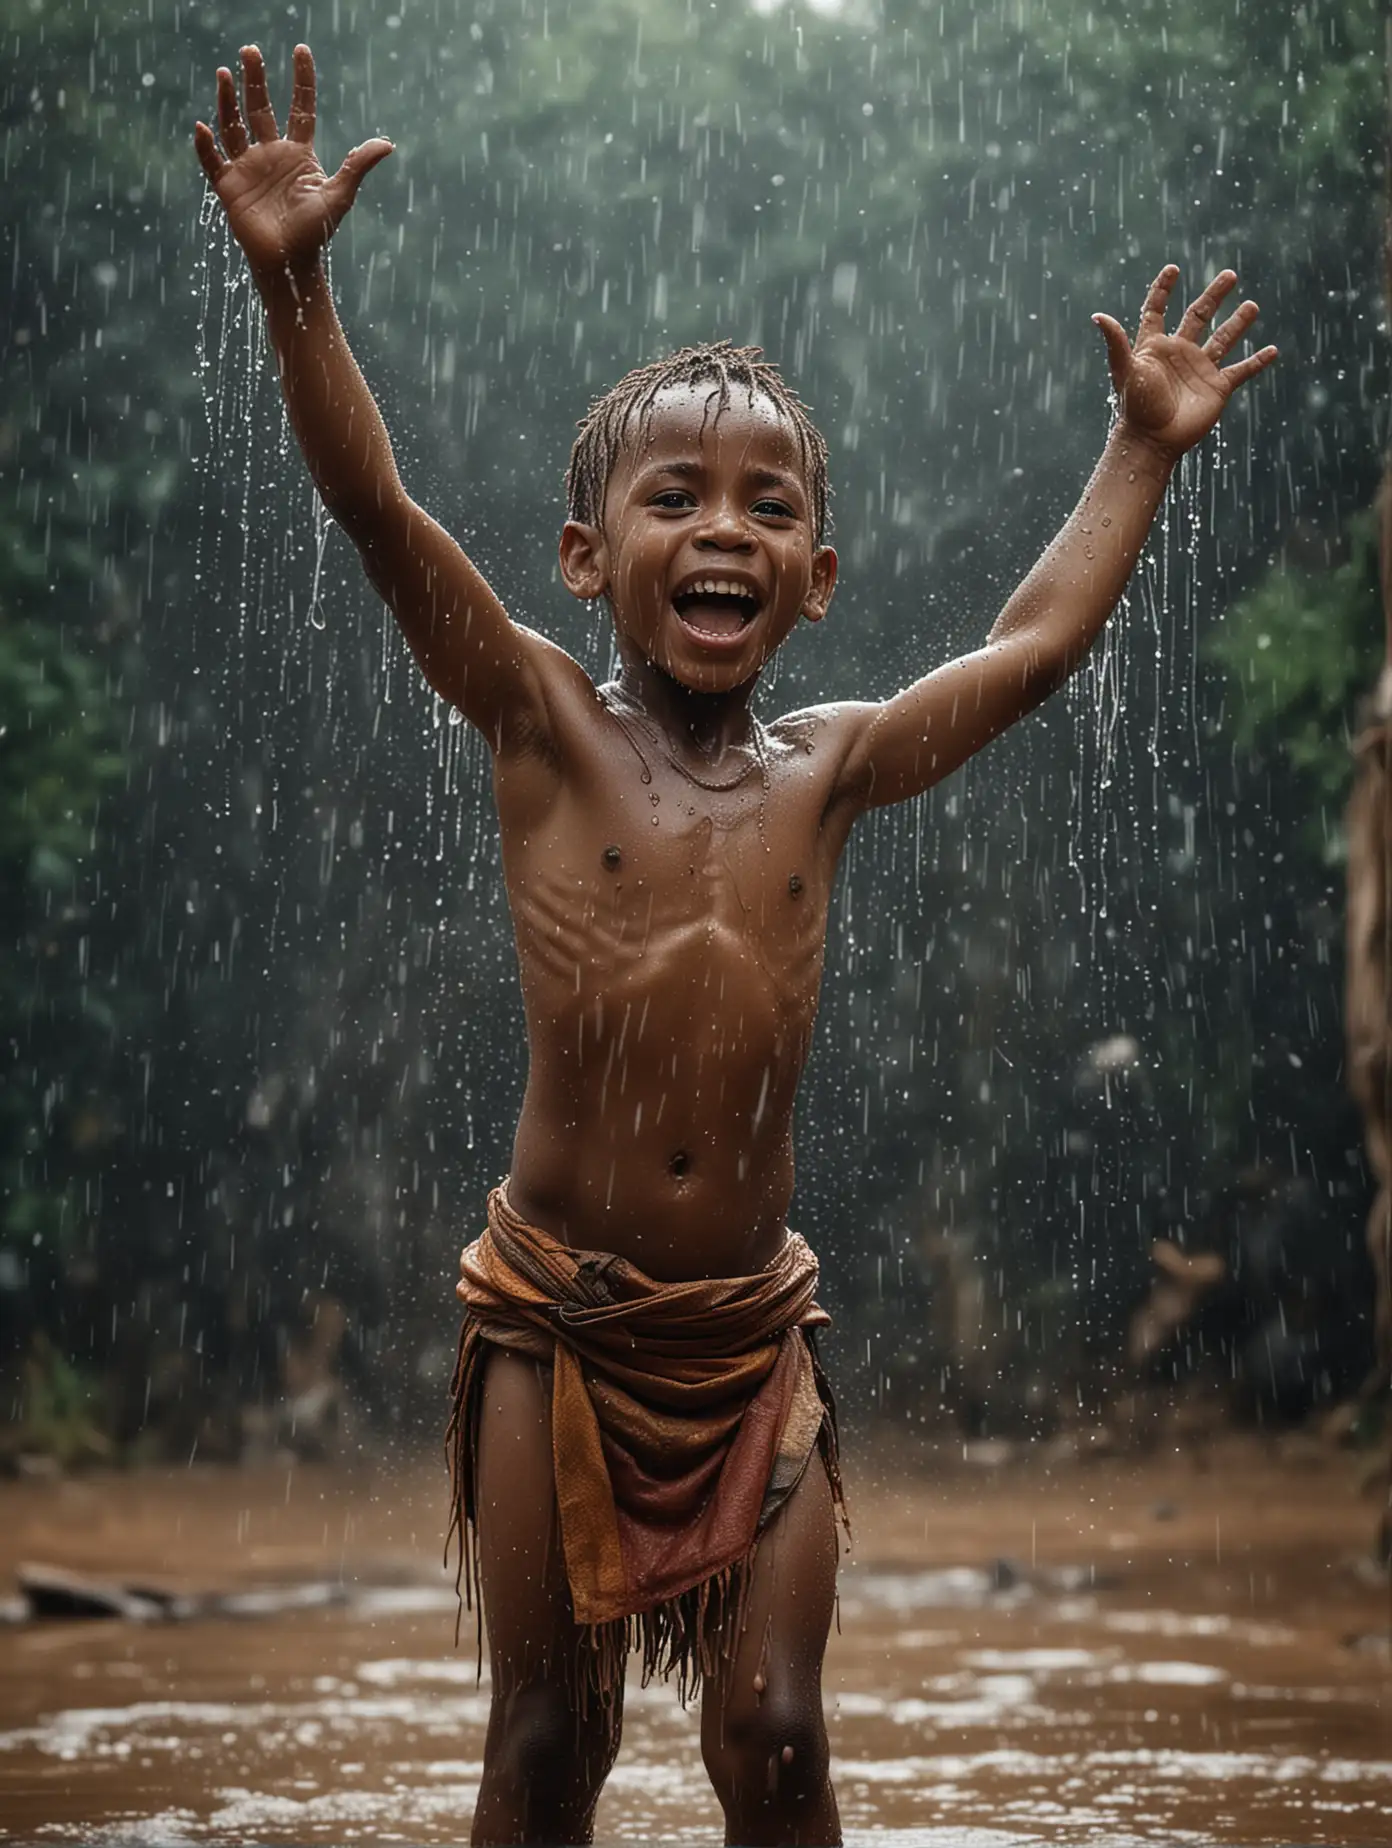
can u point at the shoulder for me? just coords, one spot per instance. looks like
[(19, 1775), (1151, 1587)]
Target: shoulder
[(829, 733), (827, 745), (564, 697), (545, 745), (838, 718)]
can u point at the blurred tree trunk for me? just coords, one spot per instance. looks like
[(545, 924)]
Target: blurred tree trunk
[(1368, 1024)]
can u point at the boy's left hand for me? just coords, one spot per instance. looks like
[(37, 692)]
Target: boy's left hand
[(1172, 387)]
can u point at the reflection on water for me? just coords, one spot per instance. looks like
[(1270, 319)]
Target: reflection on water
[(1001, 1705)]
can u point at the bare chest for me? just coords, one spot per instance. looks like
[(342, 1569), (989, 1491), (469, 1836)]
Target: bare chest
[(690, 899)]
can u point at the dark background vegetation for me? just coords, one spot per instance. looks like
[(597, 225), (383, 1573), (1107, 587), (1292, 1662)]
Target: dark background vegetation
[(263, 1049)]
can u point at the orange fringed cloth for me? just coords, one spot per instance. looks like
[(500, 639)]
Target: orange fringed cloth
[(682, 1417)]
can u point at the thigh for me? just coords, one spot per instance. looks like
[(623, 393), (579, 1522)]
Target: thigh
[(546, 1757), (776, 1665), (526, 1600)]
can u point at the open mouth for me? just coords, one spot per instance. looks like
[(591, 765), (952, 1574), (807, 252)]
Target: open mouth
[(716, 608)]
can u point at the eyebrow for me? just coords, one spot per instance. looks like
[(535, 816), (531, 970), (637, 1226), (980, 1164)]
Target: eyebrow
[(688, 471)]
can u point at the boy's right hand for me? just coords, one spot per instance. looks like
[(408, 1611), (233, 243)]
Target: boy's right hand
[(282, 206)]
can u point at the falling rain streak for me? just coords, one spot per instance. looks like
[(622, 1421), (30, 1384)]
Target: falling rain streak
[(1082, 1001)]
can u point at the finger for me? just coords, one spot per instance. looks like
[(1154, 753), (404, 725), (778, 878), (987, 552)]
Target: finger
[(230, 123), (342, 189), (260, 115), (1241, 370), (209, 156), (1157, 299), (1118, 346), (300, 126), (1203, 308), (1224, 338)]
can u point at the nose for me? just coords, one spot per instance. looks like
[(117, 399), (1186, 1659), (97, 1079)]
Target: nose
[(725, 529)]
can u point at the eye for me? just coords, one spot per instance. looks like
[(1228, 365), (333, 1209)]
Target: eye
[(773, 509), (673, 500)]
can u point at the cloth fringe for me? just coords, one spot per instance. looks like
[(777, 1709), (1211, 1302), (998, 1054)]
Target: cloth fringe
[(687, 1637)]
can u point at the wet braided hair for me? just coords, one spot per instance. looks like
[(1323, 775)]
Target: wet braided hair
[(604, 428)]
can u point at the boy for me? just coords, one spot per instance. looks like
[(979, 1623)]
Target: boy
[(637, 1399)]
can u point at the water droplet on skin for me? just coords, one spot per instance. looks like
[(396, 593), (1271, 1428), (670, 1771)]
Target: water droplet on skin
[(1087, 551), (1131, 474), (655, 820), (1106, 519), (654, 798)]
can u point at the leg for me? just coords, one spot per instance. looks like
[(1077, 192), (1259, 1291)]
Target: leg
[(763, 1733), (543, 1768)]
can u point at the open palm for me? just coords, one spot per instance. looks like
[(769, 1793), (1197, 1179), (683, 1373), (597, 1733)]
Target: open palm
[(282, 206), (1171, 388)]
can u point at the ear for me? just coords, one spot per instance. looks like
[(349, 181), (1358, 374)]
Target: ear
[(814, 604), (584, 560)]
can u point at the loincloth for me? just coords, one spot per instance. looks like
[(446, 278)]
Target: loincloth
[(683, 1416)]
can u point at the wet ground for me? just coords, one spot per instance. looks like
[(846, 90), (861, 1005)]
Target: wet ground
[(1102, 1652)]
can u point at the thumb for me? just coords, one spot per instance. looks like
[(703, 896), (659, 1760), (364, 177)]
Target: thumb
[(357, 164), (1118, 347)]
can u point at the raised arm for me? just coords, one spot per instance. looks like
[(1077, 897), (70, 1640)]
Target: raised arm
[(1171, 390), (283, 209)]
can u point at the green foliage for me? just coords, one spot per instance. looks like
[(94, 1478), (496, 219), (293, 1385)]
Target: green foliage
[(1299, 652), (915, 209), (59, 1416), (57, 760), (56, 756), (313, 1046), (61, 610)]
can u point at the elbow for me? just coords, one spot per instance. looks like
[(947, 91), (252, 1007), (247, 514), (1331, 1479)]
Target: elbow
[(1038, 665), (365, 513), (1046, 670)]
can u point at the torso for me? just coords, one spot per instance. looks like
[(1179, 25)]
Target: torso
[(670, 938)]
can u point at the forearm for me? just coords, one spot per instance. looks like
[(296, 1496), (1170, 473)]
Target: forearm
[(468, 648), (1063, 603), (332, 411)]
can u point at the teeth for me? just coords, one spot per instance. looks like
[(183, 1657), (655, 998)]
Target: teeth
[(718, 587)]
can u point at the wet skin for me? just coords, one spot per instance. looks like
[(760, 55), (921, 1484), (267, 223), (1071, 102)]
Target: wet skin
[(670, 936), (670, 943), (669, 865)]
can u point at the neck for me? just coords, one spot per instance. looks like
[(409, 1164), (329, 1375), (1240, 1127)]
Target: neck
[(708, 722)]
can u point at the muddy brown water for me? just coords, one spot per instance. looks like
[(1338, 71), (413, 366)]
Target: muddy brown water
[(1172, 1654)]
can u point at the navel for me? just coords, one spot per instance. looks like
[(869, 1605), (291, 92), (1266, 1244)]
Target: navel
[(794, 884), (679, 1164), (612, 858)]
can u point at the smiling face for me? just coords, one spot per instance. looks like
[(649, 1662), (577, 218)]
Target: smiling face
[(706, 552)]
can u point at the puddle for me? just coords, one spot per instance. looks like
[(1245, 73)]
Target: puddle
[(1172, 1702)]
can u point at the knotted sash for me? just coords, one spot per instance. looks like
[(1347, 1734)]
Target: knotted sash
[(682, 1417)]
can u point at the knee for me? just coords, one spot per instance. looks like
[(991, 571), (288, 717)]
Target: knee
[(540, 1742), (768, 1750)]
